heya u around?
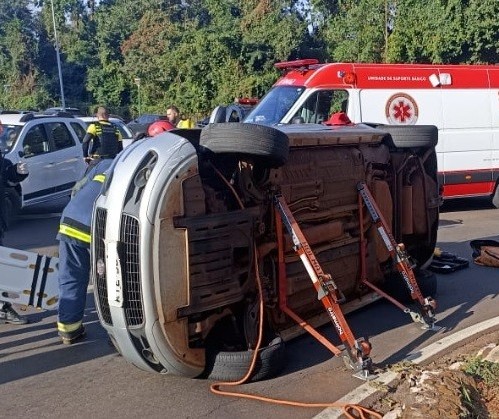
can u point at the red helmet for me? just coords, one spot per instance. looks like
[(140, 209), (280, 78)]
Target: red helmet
[(158, 127), (338, 118)]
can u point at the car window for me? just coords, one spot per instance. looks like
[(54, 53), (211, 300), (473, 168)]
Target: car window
[(125, 132), (147, 119), (320, 105), (60, 135), (9, 137), (80, 131), (36, 141)]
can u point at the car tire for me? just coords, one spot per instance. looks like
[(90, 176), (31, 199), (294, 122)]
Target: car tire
[(396, 287), (268, 145), (232, 366), (12, 206), (410, 136)]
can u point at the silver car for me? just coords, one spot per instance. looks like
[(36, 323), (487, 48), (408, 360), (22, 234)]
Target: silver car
[(185, 231)]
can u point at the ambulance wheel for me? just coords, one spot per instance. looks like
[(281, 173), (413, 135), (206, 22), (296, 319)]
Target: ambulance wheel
[(265, 145), (396, 287), (12, 206), (495, 197), (410, 136)]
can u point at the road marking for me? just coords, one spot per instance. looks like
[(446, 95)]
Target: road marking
[(362, 392)]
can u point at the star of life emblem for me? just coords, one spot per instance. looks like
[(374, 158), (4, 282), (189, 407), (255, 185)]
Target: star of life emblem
[(401, 109)]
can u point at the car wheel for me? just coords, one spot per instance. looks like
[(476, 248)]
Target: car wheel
[(232, 366), (267, 145), (410, 136), (12, 206), (396, 287)]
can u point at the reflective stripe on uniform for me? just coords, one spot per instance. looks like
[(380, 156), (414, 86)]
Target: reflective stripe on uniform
[(74, 233), (68, 328), (99, 178)]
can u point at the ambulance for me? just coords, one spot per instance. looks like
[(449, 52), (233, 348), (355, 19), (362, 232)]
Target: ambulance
[(461, 100)]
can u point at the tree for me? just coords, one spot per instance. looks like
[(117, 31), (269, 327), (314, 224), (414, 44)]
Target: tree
[(356, 31), (23, 86)]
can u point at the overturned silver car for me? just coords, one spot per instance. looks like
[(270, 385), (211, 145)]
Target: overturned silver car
[(186, 225)]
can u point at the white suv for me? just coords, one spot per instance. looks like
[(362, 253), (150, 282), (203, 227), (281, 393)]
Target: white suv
[(50, 145)]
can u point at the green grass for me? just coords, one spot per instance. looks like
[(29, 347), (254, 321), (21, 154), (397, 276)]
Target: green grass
[(486, 371)]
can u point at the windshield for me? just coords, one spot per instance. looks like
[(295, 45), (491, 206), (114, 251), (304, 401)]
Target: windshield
[(274, 105), (8, 137)]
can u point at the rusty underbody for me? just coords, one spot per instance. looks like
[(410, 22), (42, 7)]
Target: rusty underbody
[(228, 210)]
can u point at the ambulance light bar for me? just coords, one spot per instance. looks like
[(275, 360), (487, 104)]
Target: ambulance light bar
[(247, 100), (287, 65)]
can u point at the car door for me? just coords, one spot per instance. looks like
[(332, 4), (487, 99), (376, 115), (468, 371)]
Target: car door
[(36, 153), (66, 156)]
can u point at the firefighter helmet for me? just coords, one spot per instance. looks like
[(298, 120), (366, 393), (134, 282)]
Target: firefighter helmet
[(158, 127)]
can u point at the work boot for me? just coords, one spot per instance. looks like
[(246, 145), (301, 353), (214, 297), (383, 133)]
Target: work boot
[(71, 337), (9, 315)]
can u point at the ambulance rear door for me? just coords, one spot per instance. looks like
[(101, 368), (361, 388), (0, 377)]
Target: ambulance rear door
[(494, 107), (466, 136)]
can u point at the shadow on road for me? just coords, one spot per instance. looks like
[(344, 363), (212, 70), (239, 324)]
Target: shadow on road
[(35, 348)]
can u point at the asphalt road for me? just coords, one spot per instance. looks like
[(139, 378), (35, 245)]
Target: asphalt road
[(42, 378)]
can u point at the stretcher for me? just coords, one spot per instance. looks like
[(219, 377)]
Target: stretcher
[(29, 279)]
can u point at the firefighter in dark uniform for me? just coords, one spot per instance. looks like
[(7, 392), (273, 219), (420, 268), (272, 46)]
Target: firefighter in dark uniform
[(74, 253), (103, 139)]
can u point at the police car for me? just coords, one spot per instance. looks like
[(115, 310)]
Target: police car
[(50, 145)]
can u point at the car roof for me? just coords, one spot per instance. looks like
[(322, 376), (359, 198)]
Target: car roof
[(94, 118), (21, 119)]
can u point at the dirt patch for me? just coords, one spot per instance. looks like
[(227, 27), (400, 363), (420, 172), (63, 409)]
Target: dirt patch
[(459, 384)]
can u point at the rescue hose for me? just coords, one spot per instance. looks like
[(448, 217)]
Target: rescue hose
[(351, 411)]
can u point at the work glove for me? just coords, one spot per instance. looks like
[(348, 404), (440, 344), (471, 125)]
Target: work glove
[(22, 168)]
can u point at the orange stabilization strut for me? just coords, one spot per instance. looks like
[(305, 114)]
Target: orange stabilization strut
[(358, 350)]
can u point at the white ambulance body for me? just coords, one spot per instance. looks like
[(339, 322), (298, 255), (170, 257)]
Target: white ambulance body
[(461, 100)]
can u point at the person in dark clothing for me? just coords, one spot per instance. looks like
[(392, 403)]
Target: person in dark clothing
[(74, 253), (103, 139), (10, 175)]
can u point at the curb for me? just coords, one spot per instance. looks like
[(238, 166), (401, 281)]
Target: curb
[(366, 390)]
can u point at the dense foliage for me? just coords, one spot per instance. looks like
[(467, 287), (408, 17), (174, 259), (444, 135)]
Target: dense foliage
[(139, 56)]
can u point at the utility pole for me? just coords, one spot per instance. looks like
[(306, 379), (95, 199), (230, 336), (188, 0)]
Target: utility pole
[(63, 101), (137, 82)]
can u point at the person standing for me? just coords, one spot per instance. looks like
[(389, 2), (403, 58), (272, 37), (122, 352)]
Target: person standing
[(10, 175), (185, 122), (74, 253), (103, 139), (173, 115)]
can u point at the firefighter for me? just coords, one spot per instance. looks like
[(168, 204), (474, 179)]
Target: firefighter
[(10, 175), (103, 139), (74, 253)]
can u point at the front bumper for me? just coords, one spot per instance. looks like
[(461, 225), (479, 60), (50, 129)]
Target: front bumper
[(136, 299)]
